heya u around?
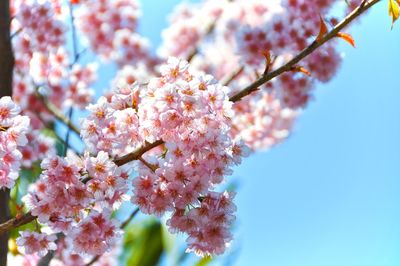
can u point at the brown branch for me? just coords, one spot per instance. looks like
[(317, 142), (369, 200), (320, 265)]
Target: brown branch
[(152, 167), (129, 219), (58, 114), (135, 155), (307, 51), (6, 77), (16, 222), (228, 79)]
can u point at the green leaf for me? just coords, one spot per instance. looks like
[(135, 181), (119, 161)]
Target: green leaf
[(394, 11), (170, 244), (143, 244), (204, 261)]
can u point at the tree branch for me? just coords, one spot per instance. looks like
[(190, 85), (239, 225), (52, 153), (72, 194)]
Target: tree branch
[(6, 74), (228, 79), (16, 222), (58, 114), (307, 51), (135, 155)]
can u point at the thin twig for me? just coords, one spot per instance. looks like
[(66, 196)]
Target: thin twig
[(130, 218), (76, 55), (152, 167), (73, 31), (14, 34), (59, 115), (61, 140), (67, 136), (228, 79)]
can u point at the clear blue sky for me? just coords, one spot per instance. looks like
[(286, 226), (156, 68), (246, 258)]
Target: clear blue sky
[(329, 195)]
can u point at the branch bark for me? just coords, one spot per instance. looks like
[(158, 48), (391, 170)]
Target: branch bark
[(135, 155), (6, 70)]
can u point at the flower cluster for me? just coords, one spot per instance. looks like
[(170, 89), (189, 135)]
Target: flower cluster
[(41, 30), (196, 133), (40, 147), (112, 126), (95, 234), (100, 20), (208, 225), (13, 131), (33, 242), (191, 113), (130, 48), (241, 32), (65, 192), (43, 62), (189, 25), (261, 120), (65, 256), (129, 75)]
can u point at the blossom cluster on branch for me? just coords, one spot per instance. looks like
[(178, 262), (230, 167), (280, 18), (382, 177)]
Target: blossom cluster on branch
[(169, 117)]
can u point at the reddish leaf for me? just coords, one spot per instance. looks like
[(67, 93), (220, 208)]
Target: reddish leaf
[(268, 60), (347, 37), (323, 29), (302, 70)]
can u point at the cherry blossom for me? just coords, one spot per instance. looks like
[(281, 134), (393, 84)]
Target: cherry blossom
[(13, 136), (184, 107), (33, 242)]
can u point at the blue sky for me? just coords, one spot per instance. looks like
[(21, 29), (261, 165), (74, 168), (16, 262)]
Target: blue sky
[(329, 195)]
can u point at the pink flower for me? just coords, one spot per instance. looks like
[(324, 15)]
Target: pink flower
[(8, 110), (95, 234), (33, 242), (13, 136)]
